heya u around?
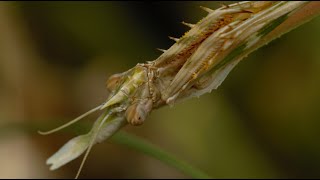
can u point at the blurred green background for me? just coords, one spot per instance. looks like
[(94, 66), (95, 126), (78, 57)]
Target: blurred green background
[(55, 57)]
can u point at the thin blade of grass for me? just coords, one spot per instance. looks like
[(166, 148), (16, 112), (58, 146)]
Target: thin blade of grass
[(140, 145)]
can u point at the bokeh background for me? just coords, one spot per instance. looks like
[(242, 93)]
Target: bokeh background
[(55, 57)]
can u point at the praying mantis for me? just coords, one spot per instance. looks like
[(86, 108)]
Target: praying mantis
[(195, 64)]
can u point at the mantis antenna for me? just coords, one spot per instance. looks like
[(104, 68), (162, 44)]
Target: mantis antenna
[(71, 122)]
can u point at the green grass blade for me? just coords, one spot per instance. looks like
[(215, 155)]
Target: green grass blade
[(151, 150)]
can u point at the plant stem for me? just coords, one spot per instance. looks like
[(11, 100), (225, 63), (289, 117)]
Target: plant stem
[(149, 149)]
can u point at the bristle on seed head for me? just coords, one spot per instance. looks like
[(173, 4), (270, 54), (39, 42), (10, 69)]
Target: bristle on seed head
[(173, 38), (224, 5), (206, 9), (162, 50), (188, 24)]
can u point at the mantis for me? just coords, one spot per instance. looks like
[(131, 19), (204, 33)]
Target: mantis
[(195, 64)]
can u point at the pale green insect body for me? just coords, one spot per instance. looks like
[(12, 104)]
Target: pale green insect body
[(135, 78)]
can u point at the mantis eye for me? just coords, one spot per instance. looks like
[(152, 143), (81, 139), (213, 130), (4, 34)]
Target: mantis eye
[(138, 112), (114, 81)]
